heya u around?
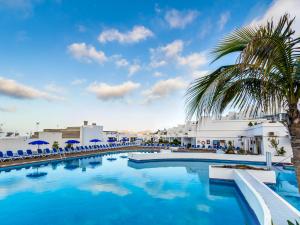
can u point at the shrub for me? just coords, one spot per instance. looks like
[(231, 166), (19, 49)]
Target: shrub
[(55, 145)]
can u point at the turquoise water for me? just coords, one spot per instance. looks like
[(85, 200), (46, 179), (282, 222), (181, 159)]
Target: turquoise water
[(119, 192), (286, 186)]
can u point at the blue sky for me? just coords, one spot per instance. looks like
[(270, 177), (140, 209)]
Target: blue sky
[(122, 64)]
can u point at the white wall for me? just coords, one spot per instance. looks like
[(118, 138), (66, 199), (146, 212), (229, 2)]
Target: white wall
[(14, 143), (91, 132), (280, 133)]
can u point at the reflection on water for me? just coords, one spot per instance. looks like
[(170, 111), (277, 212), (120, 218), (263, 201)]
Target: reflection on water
[(76, 191)]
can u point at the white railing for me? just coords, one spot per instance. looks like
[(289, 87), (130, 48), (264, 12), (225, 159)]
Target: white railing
[(254, 199)]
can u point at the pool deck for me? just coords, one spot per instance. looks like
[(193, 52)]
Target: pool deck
[(175, 156)]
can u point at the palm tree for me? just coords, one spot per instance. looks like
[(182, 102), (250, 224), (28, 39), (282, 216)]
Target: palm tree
[(264, 78)]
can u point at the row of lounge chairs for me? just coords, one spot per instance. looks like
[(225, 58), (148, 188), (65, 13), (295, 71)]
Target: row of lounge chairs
[(20, 154), (216, 147), (159, 145)]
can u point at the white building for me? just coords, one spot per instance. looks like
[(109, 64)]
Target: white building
[(251, 135), (83, 134)]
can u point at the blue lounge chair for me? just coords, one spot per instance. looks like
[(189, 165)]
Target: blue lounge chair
[(21, 154), (66, 150), (11, 155), (3, 157), (29, 153), (61, 151), (54, 151), (47, 151), (40, 152)]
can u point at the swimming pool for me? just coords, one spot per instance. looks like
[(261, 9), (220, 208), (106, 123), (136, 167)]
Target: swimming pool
[(95, 190)]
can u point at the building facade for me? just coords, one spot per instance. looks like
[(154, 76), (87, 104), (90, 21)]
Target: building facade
[(251, 135)]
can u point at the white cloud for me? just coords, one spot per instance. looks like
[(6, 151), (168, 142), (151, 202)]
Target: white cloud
[(8, 109), (163, 88), (173, 49), (122, 62), (179, 19), (172, 52), (86, 53), (157, 74), (277, 9), (161, 55), (156, 64), (194, 60), (78, 81), (12, 88), (137, 34), (134, 68), (224, 17), (105, 91), (199, 73)]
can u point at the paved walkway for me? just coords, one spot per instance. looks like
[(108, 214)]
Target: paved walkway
[(280, 210)]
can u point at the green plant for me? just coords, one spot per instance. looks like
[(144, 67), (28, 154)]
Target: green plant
[(275, 144), (175, 142), (250, 124), (230, 149), (242, 151), (263, 78), (281, 151), (55, 145)]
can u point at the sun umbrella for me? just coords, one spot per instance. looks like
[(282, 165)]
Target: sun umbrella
[(95, 140), (72, 142), (38, 143)]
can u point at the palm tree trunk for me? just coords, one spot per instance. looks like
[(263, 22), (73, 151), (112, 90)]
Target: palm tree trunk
[(294, 130)]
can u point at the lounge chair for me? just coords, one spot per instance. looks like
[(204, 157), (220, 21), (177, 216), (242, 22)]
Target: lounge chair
[(66, 150), (40, 152), (3, 157), (61, 151), (29, 153), (47, 151), (54, 151), (11, 155), (21, 154)]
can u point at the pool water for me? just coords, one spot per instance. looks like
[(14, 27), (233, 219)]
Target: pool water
[(286, 186), (96, 191)]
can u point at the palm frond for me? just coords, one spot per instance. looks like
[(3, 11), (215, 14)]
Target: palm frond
[(265, 77)]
